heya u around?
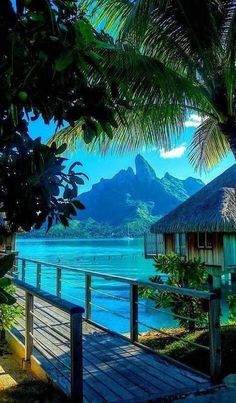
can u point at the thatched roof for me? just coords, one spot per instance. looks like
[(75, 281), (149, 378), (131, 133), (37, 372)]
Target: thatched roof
[(212, 209)]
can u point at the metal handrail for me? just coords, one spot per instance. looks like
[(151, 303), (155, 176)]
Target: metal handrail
[(141, 283), (212, 299), (75, 312)]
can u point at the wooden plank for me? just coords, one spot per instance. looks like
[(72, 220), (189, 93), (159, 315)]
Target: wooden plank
[(148, 353), (125, 342), (153, 360), (115, 370), (61, 351), (114, 374), (106, 379), (49, 339), (154, 375), (132, 372), (181, 371)]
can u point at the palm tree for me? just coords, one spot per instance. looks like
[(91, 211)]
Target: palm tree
[(171, 57)]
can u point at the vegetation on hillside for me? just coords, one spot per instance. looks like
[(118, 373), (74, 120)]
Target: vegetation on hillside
[(89, 228)]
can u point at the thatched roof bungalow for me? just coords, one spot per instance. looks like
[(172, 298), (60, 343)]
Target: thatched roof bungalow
[(204, 225)]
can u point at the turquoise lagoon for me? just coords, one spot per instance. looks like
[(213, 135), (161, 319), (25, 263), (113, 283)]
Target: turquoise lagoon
[(120, 257), (110, 299)]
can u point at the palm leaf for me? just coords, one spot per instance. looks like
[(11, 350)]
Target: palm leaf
[(209, 145), (172, 56), (111, 15), (159, 100)]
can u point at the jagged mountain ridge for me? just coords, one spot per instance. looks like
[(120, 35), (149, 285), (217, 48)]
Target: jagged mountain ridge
[(119, 199)]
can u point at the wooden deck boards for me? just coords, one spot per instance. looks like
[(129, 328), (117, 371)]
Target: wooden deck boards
[(115, 370)]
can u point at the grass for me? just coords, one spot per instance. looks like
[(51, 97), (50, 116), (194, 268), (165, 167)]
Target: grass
[(191, 355)]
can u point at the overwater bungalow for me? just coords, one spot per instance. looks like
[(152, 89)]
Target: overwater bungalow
[(203, 226)]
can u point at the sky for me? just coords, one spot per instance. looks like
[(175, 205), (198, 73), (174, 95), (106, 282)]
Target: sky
[(175, 161)]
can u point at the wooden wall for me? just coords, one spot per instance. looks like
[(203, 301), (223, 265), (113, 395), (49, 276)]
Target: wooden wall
[(209, 256), (222, 253), (153, 244), (169, 243), (229, 241)]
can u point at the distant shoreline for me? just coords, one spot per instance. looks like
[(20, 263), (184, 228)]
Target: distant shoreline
[(29, 238)]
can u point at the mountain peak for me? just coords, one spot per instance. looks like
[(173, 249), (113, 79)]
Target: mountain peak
[(144, 171), (168, 176), (119, 199)]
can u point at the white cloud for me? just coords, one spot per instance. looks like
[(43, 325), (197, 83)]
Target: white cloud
[(177, 152), (193, 121)]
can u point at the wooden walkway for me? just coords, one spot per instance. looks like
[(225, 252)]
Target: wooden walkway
[(115, 370)]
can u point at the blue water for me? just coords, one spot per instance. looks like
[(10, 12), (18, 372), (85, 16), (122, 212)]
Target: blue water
[(110, 299)]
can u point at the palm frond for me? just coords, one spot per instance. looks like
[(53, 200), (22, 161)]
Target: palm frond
[(170, 56), (110, 15), (209, 145), (159, 100)]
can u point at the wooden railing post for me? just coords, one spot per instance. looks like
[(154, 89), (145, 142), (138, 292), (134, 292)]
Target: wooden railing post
[(15, 266), (38, 275), (23, 270), (76, 356), (88, 282), (215, 336), (58, 285), (133, 312), (29, 303)]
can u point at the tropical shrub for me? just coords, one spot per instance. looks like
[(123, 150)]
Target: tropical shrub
[(182, 274), (9, 311), (9, 314), (231, 299), (6, 263)]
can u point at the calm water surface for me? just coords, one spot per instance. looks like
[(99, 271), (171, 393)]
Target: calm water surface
[(110, 300), (114, 256)]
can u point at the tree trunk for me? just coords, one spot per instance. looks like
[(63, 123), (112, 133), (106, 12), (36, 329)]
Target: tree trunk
[(2, 335), (229, 130)]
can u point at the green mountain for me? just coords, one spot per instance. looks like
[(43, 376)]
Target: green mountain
[(134, 199), (118, 200)]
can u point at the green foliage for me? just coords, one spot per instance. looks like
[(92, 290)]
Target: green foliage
[(51, 68), (34, 188), (57, 73), (181, 274), (9, 313), (231, 299), (90, 228), (6, 263), (192, 355)]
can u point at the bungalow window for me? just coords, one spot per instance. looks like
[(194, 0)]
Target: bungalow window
[(205, 240), (180, 244)]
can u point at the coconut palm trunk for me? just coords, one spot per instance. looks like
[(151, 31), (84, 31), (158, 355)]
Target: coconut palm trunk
[(229, 131)]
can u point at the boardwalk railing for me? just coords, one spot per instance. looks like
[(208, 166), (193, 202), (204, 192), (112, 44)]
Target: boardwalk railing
[(75, 320), (119, 297)]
